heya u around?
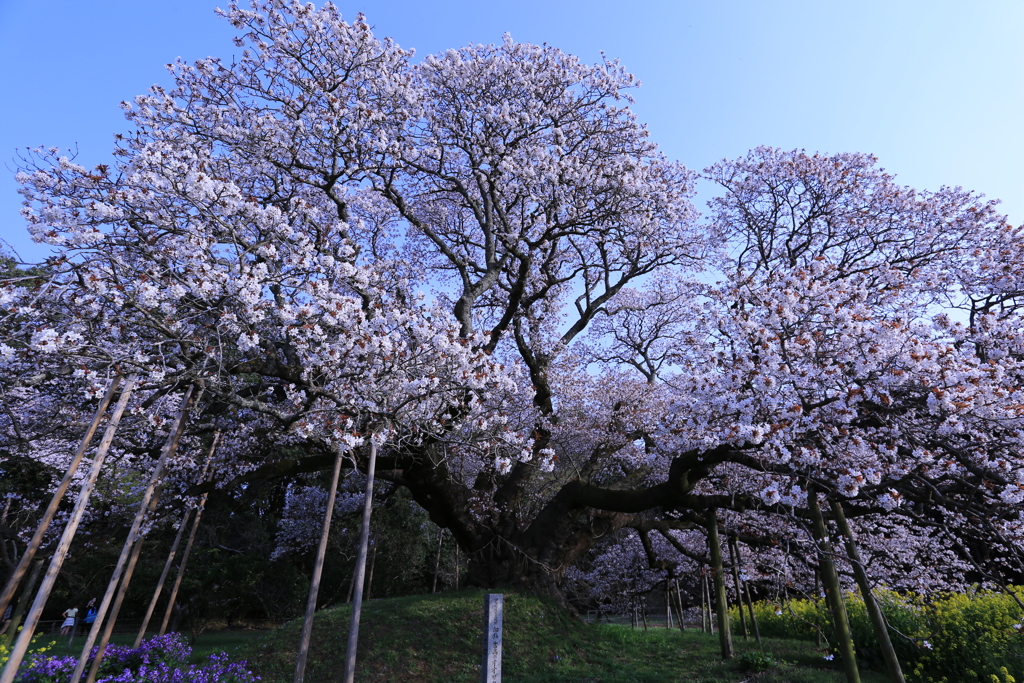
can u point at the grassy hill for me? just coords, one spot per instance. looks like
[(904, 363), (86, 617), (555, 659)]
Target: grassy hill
[(437, 638)]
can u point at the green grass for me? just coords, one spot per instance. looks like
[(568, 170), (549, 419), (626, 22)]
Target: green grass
[(436, 639)]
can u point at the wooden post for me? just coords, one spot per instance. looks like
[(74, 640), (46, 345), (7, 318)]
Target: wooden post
[(122, 590), (437, 563), (703, 602), (58, 495), (491, 666), (679, 607), (188, 545), (173, 552), (369, 577), (721, 601), (833, 591), (360, 570), (668, 603), (892, 663), (21, 644), (734, 551), (753, 619), (169, 447), (19, 609), (318, 567), (163, 577), (710, 601)]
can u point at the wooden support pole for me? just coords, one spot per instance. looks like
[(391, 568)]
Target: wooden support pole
[(437, 563), (42, 595), (679, 607), (753, 618), (721, 601), (188, 545), (734, 552), (881, 629), (833, 591), (163, 578), (318, 567), (174, 550), (122, 590), (51, 509), (668, 603), (101, 612), (19, 609), (703, 602), (360, 570)]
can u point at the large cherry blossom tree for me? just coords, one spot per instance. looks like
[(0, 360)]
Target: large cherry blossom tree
[(483, 257)]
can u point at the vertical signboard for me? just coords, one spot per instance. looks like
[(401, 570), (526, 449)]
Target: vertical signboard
[(492, 638)]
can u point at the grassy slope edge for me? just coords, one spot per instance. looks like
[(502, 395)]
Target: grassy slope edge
[(436, 638)]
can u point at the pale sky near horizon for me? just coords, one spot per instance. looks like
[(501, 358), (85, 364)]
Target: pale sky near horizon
[(934, 88)]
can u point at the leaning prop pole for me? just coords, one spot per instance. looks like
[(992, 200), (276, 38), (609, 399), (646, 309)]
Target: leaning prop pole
[(19, 609), (188, 547), (360, 571), (721, 601), (892, 663), (833, 591), (163, 577), (172, 553), (122, 560), (58, 495), (318, 567), (21, 644), (736, 581), (122, 589)]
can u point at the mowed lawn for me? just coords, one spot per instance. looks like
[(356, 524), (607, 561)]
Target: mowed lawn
[(437, 638)]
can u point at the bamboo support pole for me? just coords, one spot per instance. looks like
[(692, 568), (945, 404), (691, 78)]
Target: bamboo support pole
[(19, 609), (173, 552), (437, 563), (318, 566), (169, 447), (734, 551), (188, 546), (679, 607), (753, 618), (163, 577), (668, 603), (17, 653), (703, 602), (833, 591), (721, 601), (51, 509), (360, 570), (892, 663), (122, 590)]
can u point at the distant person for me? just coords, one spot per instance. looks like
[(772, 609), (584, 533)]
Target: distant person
[(70, 616), (8, 613), (90, 614)]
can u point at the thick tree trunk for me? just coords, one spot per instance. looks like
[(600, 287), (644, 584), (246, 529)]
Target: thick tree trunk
[(833, 591), (892, 663)]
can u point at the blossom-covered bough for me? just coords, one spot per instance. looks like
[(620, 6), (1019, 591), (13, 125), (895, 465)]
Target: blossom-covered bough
[(484, 255)]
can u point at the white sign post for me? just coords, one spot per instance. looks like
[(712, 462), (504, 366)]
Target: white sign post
[(492, 638)]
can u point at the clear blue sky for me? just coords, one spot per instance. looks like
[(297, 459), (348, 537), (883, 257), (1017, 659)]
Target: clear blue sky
[(934, 88)]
